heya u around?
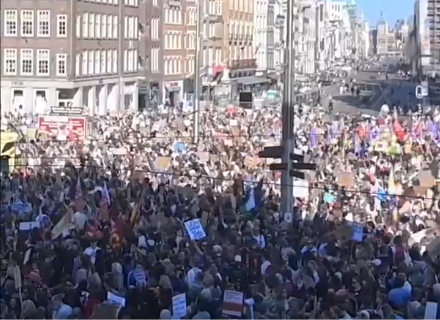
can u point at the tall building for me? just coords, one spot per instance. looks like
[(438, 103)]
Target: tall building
[(151, 53), (241, 63), (261, 13), (179, 35), (382, 37), (78, 53), (427, 26)]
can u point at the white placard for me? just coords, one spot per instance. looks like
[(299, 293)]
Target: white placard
[(25, 226), (233, 123), (114, 299), (288, 217), (195, 229), (233, 303), (431, 310), (179, 305)]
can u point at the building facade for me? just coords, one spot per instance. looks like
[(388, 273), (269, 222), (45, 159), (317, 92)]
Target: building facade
[(151, 58), (180, 18), (70, 53), (241, 63), (261, 10)]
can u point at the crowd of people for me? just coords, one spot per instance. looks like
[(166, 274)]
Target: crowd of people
[(142, 220)]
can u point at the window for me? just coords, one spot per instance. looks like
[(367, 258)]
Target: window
[(115, 27), (130, 60), (27, 62), (98, 26), (43, 61), (10, 61), (91, 61), (97, 62), (136, 28), (11, 23), (155, 3), (125, 60), (109, 61), (109, 27), (135, 60), (125, 27), (155, 28), (27, 23), (92, 25), (131, 27), (62, 64), (43, 17), (104, 26), (85, 24), (84, 63), (62, 25), (78, 26), (154, 59), (77, 64), (103, 62), (115, 61)]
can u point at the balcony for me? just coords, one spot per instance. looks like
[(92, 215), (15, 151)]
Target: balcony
[(242, 64)]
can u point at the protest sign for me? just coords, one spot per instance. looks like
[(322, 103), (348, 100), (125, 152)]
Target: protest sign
[(179, 305), (251, 162), (203, 156), (195, 229), (162, 163), (345, 179), (233, 303), (358, 231)]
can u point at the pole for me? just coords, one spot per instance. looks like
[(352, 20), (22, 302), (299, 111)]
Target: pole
[(196, 104), (287, 113), (121, 94)]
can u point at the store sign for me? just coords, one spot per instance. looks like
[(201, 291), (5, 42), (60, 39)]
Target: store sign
[(63, 127)]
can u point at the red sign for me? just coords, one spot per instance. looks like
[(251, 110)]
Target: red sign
[(63, 127)]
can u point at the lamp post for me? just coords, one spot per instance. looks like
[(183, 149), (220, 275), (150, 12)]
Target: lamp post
[(197, 84)]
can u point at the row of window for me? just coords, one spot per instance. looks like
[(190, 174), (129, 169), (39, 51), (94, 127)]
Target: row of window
[(25, 64), (101, 26), (26, 26), (174, 65), (240, 27), (100, 62), (173, 15), (173, 40), (242, 5), (131, 3)]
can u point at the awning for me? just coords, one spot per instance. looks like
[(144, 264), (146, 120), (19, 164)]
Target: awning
[(247, 81), (173, 89)]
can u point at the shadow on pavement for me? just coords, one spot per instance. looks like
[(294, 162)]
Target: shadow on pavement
[(353, 100)]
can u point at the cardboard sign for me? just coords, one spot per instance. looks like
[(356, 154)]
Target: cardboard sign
[(233, 303), (251, 162), (203, 156), (228, 142), (162, 163), (426, 179), (345, 179)]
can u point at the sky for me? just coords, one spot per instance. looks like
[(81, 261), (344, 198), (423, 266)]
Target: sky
[(391, 10)]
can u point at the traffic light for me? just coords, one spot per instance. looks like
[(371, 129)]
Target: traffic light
[(298, 161)]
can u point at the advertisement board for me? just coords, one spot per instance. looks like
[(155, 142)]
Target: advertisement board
[(63, 127)]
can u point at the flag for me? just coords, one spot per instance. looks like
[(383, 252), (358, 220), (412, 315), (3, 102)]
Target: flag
[(78, 198), (104, 203), (250, 204), (314, 137), (400, 133)]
